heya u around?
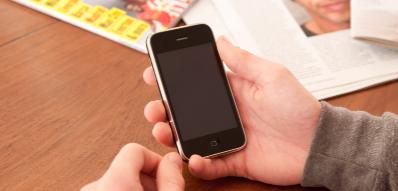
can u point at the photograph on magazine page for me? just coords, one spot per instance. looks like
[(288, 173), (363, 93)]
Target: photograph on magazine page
[(160, 14), (317, 17)]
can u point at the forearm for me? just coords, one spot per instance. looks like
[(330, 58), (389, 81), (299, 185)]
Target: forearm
[(353, 151)]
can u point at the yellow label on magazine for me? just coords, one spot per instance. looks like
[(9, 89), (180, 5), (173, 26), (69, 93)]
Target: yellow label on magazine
[(135, 32), (66, 5), (51, 3), (110, 18), (36, 1), (95, 14), (79, 10), (121, 26)]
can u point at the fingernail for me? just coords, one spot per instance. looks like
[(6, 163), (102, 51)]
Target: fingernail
[(175, 159)]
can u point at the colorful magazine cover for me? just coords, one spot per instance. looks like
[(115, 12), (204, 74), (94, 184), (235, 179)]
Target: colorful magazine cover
[(128, 22)]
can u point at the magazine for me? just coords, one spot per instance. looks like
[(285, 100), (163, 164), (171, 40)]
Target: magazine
[(127, 22), (375, 21), (328, 63)]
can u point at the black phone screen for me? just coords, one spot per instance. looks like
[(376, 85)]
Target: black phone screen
[(197, 91)]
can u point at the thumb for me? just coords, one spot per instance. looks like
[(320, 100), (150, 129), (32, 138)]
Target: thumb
[(210, 169), (241, 62), (169, 176)]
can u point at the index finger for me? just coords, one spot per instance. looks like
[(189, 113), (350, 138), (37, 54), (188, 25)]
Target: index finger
[(125, 171), (169, 176)]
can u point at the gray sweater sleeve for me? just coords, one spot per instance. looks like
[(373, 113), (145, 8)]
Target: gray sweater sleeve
[(353, 151)]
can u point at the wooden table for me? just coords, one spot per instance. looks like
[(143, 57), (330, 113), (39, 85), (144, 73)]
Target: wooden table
[(69, 100)]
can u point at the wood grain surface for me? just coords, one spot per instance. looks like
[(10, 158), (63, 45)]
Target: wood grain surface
[(69, 100)]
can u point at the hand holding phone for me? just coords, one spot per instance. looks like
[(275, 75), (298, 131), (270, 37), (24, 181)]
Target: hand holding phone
[(278, 114)]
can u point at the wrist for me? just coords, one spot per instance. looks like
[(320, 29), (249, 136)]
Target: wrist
[(311, 128)]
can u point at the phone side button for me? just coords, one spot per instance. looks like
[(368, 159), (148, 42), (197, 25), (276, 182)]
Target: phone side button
[(173, 130)]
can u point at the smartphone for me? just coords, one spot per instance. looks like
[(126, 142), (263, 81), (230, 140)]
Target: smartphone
[(195, 91)]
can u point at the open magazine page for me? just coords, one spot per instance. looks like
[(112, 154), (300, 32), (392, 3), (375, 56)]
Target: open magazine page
[(128, 22), (268, 29), (355, 86), (375, 21), (211, 17), (353, 63), (345, 56), (284, 44)]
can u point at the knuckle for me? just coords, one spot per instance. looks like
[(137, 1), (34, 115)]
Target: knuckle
[(279, 72), (280, 69), (246, 56)]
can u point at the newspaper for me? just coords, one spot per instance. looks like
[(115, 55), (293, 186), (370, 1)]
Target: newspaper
[(327, 65)]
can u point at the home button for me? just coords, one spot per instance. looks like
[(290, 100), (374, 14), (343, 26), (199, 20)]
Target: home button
[(213, 143)]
